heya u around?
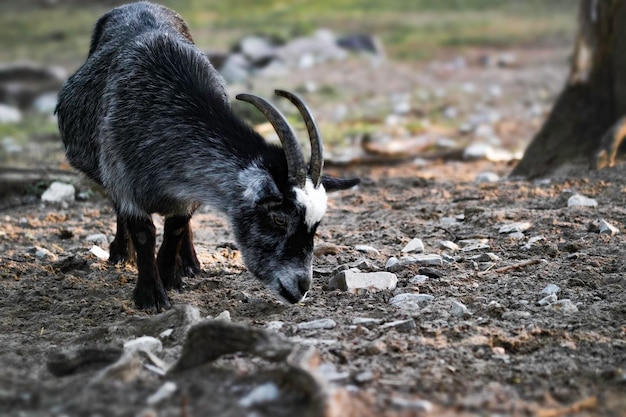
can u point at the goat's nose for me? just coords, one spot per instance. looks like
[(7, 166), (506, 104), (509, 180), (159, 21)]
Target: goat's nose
[(304, 284)]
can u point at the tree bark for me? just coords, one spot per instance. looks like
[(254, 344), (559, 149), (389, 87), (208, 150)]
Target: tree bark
[(586, 122)]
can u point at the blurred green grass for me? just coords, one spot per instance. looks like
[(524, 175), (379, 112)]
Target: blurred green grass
[(410, 30)]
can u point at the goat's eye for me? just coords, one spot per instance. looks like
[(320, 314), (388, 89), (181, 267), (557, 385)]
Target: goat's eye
[(280, 220)]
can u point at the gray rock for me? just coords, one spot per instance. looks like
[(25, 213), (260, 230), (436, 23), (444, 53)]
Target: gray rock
[(9, 115), (264, 393), (98, 238), (516, 235), (421, 406), (415, 245), (235, 68), (59, 193), (365, 321), (46, 103), (551, 289), (317, 324), (515, 227), (484, 177), (275, 325), (400, 325), (223, 316), (144, 344), (607, 228), (371, 281), (475, 247), (515, 315), (99, 253), (578, 200), (565, 306), (366, 249), (425, 259), (364, 376), (257, 48), (459, 309), (485, 257), (164, 392), (410, 301), (548, 299), (447, 244), (418, 279)]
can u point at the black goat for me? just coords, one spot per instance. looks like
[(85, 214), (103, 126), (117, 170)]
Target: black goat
[(147, 117)]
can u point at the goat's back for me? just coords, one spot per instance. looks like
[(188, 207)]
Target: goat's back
[(82, 104)]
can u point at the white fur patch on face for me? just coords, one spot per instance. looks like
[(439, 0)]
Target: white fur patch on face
[(314, 202), (253, 179)]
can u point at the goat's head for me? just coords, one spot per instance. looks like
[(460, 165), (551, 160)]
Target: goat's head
[(277, 222)]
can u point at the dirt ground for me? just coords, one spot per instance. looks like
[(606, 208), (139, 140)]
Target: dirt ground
[(506, 355)]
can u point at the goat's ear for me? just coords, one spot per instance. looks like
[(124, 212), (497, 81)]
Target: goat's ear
[(259, 187), (336, 184)]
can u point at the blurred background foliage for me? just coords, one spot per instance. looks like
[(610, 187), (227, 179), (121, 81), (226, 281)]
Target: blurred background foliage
[(58, 31)]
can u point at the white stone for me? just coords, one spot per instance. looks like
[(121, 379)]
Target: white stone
[(365, 320), (483, 177), (448, 244), (9, 114), (223, 316), (43, 253), (608, 228), (275, 325), (165, 391), (262, 394), (372, 281), (418, 279), (46, 103), (485, 257), (410, 301), (548, 299), (475, 247), (415, 245), (564, 306), (366, 249), (459, 309), (551, 289), (144, 344), (400, 325), (97, 238), (317, 324), (422, 406), (391, 263), (516, 235), (59, 192), (515, 227), (578, 200), (99, 253)]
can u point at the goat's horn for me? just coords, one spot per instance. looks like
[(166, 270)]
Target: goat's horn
[(317, 147), (296, 167)]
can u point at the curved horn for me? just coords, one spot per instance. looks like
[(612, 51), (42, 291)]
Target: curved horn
[(317, 147), (296, 167)]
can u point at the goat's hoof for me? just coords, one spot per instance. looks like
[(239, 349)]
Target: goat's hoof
[(156, 300), (175, 283)]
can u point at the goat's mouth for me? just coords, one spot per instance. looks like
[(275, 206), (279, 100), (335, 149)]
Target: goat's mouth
[(288, 296)]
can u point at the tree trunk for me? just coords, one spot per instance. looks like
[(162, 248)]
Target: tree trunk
[(586, 122)]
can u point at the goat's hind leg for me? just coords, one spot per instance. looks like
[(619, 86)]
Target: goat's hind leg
[(177, 257), (149, 292)]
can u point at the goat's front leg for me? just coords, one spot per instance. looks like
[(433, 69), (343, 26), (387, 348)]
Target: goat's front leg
[(177, 257), (149, 292), (121, 249)]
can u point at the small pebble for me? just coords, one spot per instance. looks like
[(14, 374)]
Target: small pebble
[(447, 244), (367, 249), (551, 289), (565, 306), (371, 281), (459, 309), (98, 238), (484, 177), (418, 279), (99, 253), (607, 228), (515, 315), (415, 245), (515, 227), (275, 325), (422, 406), (376, 347), (409, 301), (144, 344), (223, 316), (262, 394), (400, 325), (317, 324), (548, 299), (578, 200), (165, 391), (364, 376)]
